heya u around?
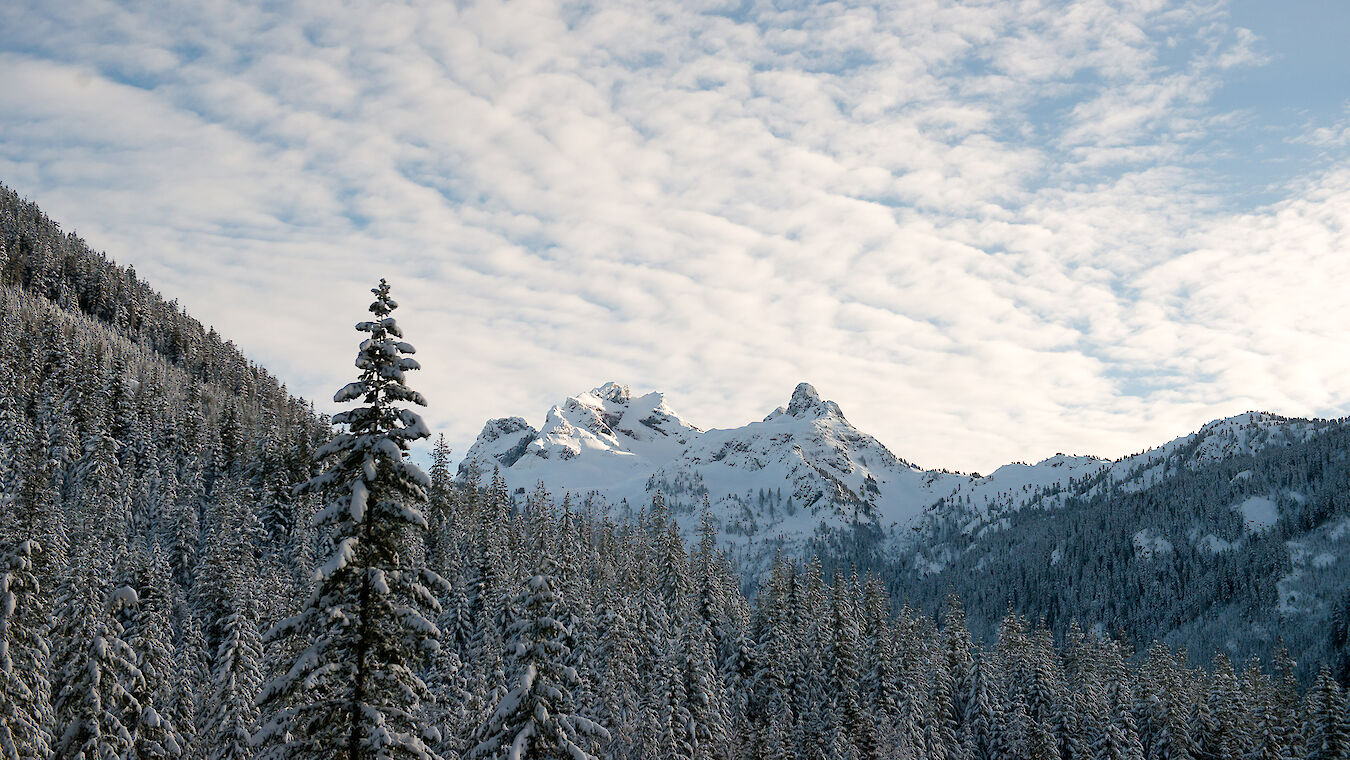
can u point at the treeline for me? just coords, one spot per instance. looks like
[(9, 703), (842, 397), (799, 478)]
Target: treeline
[(676, 663), (660, 649)]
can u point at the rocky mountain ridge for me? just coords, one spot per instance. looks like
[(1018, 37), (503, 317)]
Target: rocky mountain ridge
[(805, 472)]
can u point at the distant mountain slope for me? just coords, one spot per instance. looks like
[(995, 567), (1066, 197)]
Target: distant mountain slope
[(40, 260), (771, 484), (1244, 519), (1230, 537), (982, 502)]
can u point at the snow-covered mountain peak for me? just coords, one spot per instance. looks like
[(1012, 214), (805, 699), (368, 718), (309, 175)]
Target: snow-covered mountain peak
[(612, 391), (806, 404), (606, 428), (777, 481), (613, 413), (501, 444)]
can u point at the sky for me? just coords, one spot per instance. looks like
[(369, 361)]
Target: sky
[(991, 231)]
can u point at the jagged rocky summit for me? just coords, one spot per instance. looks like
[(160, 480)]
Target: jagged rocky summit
[(771, 481), (805, 471)]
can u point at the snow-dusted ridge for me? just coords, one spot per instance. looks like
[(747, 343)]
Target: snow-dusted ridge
[(777, 482), (605, 440), (771, 482), (981, 503)]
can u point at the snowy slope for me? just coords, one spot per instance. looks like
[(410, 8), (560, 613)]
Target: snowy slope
[(812, 466), (1014, 486), (604, 440), (1231, 536), (1243, 434), (979, 504), (776, 483), (772, 482)]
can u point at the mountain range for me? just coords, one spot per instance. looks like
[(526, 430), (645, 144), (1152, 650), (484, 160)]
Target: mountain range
[(805, 467), (769, 482), (1226, 538), (1230, 536)]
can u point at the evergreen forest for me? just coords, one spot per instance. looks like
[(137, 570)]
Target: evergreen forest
[(196, 564)]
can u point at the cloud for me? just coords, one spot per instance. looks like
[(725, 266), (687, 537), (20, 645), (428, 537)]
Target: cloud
[(990, 232), (1328, 137)]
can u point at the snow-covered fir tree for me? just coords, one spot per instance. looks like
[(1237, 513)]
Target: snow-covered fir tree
[(96, 680), (1327, 722), (537, 716), (235, 682), (25, 710), (354, 692), (236, 669)]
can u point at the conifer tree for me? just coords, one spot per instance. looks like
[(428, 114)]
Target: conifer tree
[(148, 632), (1205, 730), (670, 704), (979, 718), (37, 515), (235, 681), (955, 676), (96, 677), (25, 612), (708, 713), (354, 691), (183, 528), (1224, 737), (456, 623), (191, 676), (1286, 701), (536, 716), (439, 506), (236, 669), (1328, 729), (882, 679), (618, 686), (843, 667), (25, 708), (451, 713), (1266, 737), (487, 588)]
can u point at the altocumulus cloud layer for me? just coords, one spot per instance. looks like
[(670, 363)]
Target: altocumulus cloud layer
[(990, 231)]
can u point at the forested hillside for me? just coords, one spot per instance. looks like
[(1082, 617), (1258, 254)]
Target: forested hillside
[(195, 565), (1208, 550), (146, 470)]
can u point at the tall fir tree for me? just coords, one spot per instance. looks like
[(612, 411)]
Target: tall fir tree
[(96, 679), (147, 629), (1328, 724), (25, 612), (234, 682), (354, 691)]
